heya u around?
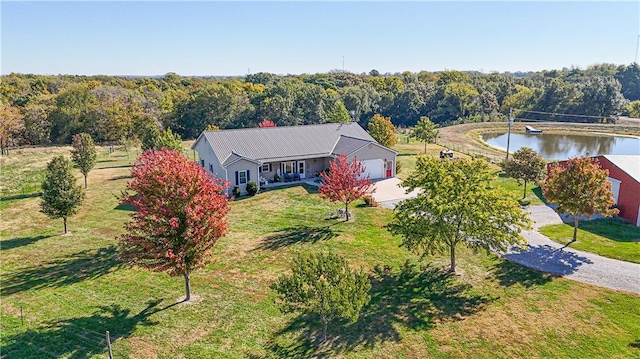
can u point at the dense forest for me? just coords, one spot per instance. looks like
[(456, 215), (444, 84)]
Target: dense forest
[(41, 109)]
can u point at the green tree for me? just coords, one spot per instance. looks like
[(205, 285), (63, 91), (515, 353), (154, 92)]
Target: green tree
[(324, 285), (169, 140), (456, 206), (61, 197), (83, 154), (525, 165), (633, 108), (426, 131), (338, 113), (579, 188), (382, 130), (601, 96)]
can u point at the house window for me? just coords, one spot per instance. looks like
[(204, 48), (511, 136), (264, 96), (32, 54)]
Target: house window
[(265, 168), (202, 163), (289, 167), (210, 167), (242, 177)]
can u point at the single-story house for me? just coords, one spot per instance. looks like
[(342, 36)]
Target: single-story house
[(243, 155), (624, 175)]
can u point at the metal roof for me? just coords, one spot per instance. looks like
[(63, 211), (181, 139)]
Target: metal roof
[(273, 144), (630, 164), (348, 145)]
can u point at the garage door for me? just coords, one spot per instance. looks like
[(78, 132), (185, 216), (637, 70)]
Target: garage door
[(373, 168)]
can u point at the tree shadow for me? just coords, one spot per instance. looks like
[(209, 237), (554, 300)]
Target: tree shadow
[(63, 271), (414, 297), (299, 234), (125, 206), (116, 178), (19, 242), (81, 337), (20, 196), (538, 192), (548, 259), (635, 344), (508, 273)]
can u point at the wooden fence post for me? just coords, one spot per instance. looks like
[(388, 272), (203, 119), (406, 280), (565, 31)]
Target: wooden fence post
[(109, 345)]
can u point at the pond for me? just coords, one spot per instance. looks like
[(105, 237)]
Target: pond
[(561, 147)]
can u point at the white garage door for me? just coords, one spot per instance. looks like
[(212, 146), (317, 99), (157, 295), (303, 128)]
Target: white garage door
[(373, 168)]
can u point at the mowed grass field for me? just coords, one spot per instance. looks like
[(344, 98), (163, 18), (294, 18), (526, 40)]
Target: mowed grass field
[(71, 288)]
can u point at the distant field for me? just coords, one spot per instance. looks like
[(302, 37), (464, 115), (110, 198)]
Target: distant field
[(72, 289)]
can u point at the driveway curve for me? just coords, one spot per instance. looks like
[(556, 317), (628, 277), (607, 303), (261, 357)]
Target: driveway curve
[(548, 256), (542, 253)]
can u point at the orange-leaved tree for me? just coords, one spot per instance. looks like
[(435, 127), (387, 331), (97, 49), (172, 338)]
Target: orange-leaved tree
[(344, 182), (266, 123), (579, 188), (180, 214)]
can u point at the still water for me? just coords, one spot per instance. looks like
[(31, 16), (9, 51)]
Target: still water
[(561, 147)]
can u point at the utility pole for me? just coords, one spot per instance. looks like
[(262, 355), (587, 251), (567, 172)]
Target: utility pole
[(509, 130)]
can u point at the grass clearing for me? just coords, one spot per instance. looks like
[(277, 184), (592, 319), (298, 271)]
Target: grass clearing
[(608, 237), (72, 289)]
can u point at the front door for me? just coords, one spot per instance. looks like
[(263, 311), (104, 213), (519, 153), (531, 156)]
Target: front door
[(301, 168)]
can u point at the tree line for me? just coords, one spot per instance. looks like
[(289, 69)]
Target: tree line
[(42, 109)]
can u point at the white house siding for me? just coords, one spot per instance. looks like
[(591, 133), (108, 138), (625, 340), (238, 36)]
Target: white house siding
[(242, 165), (374, 152), (205, 152)]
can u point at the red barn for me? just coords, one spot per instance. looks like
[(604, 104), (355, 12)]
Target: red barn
[(624, 175)]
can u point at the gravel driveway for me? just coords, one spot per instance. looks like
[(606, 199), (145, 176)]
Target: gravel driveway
[(548, 256)]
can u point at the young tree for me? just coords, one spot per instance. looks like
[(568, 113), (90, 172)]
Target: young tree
[(456, 206), (344, 182), (426, 131), (525, 165), (129, 143), (180, 214), (579, 188), (169, 140), (61, 196), (382, 130), (323, 284), (338, 113), (83, 154), (266, 123)]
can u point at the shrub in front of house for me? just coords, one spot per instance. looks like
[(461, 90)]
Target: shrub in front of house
[(236, 191), (252, 188)]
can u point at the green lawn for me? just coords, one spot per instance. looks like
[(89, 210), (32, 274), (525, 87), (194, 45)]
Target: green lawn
[(71, 289), (608, 237)]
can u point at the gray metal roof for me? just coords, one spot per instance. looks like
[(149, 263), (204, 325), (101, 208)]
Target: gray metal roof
[(273, 144), (348, 145), (628, 163)]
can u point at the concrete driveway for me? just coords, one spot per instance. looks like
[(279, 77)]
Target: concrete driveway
[(389, 192)]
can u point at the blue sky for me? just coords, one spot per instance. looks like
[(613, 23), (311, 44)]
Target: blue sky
[(232, 38)]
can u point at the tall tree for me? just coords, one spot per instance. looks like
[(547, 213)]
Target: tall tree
[(83, 154), (601, 97), (457, 206), (344, 182), (579, 188), (324, 285), (181, 212), (525, 165), (61, 196), (10, 125), (338, 113), (633, 108), (426, 131), (383, 131)]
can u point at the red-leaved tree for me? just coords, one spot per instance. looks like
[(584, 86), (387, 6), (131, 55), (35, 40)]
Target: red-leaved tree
[(180, 214), (344, 183), (266, 123)]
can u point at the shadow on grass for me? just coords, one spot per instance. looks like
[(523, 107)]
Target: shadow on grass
[(63, 271), (81, 337), (548, 259), (414, 297), (614, 229), (20, 196), (19, 242), (115, 178), (508, 273), (635, 344), (293, 235), (109, 167), (538, 192), (125, 206)]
